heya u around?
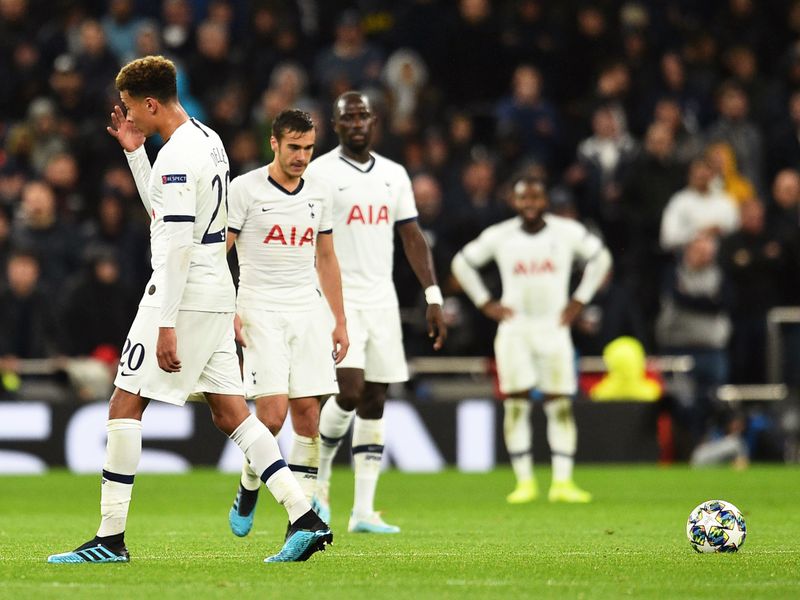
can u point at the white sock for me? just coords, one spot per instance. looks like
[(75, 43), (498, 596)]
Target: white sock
[(123, 451), (367, 454), (562, 435), (333, 425), (249, 479), (304, 463), (518, 437), (264, 456)]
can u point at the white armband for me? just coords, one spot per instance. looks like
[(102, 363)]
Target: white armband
[(433, 295)]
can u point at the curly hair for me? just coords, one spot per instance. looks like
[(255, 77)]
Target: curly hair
[(154, 76)]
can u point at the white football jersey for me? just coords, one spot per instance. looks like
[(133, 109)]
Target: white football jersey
[(189, 182), (277, 236), (534, 268), (368, 200)]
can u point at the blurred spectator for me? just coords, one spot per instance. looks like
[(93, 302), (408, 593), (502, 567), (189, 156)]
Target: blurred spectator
[(405, 76), (528, 35), (95, 61), (38, 139), (735, 127), (726, 173), (754, 261), (62, 174), (530, 116), (351, 62), (126, 238), (694, 320), (26, 317), (473, 46), (214, 66), (178, 30), (655, 176), (38, 228), (783, 222), (5, 237), (122, 27), (98, 307), (603, 162), (696, 209), (688, 143), (147, 43), (784, 147)]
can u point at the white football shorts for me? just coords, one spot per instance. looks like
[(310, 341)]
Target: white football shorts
[(288, 353), (206, 349), (531, 356), (376, 344)]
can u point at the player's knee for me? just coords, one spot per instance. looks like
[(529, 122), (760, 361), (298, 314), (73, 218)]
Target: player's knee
[(371, 406), (349, 398)]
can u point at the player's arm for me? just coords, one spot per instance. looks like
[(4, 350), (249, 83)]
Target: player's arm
[(179, 193), (330, 279), (419, 257), (465, 267), (132, 142), (598, 264)]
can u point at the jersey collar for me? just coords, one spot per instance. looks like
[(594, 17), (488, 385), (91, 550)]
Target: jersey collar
[(360, 167)]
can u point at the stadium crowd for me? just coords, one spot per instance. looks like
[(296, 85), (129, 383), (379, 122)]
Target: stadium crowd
[(671, 128)]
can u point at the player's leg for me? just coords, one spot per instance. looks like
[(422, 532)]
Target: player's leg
[(518, 436), (123, 451), (137, 366), (312, 374), (517, 376), (271, 411), (335, 418), (556, 361), (338, 411), (307, 533), (385, 363), (266, 373), (368, 442), (304, 454)]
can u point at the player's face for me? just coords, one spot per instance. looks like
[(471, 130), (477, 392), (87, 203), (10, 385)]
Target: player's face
[(354, 123), (530, 201), (294, 151), (139, 111)]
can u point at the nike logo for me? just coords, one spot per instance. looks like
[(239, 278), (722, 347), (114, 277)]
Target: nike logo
[(266, 209), (341, 189), (124, 374)]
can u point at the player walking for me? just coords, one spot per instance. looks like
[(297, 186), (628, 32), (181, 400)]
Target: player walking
[(372, 198), (281, 223), (534, 253), (182, 339)]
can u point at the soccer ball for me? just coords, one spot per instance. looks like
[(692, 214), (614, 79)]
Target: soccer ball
[(716, 526)]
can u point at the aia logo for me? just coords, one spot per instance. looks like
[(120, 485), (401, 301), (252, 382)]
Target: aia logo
[(534, 267), (289, 237), (371, 215)]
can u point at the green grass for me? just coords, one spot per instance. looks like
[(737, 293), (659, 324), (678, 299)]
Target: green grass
[(460, 539)]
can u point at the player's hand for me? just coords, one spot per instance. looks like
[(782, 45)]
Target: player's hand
[(437, 329), (496, 311), (167, 350), (571, 312), (341, 343), (124, 131), (237, 331)]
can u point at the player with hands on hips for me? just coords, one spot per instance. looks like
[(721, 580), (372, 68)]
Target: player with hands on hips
[(535, 252)]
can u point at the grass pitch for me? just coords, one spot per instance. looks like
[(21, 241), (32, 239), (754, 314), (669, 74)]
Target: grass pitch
[(460, 539)]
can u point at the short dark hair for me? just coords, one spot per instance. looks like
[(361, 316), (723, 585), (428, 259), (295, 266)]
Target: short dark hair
[(291, 119), (153, 76), (530, 180)]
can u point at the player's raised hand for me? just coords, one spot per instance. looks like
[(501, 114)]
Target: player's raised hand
[(496, 311), (437, 329), (167, 350), (341, 343), (571, 312), (237, 331), (124, 131)]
